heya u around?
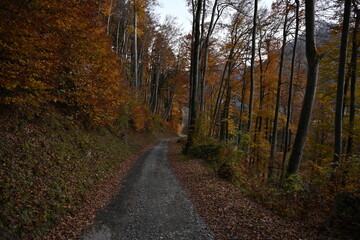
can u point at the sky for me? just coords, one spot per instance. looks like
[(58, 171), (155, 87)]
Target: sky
[(178, 9)]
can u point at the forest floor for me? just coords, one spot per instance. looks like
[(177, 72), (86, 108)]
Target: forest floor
[(230, 214)]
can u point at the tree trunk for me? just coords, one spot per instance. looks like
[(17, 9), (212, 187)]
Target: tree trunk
[(212, 25), (225, 115), (289, 103), (313, 60), (353, 67), (194, 78), (252, 73), (242, 99), (278, 96), (340, 85), (117, 37), (155, 94), (261, 80), (109, 18), (135, 47), (218, 100)]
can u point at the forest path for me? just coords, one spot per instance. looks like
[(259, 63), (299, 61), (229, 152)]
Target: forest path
[(152, 205)]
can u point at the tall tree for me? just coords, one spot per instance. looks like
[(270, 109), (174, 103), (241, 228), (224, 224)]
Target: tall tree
[(278, 94), (109, 17), (194, 76), (313, 60), (341, 83), (291, 85), (252, 69), (215, 15), (135, 45), (353, 67)]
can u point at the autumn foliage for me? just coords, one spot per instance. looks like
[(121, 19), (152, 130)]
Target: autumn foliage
[(59, 53), (69, 110), (110, 63)]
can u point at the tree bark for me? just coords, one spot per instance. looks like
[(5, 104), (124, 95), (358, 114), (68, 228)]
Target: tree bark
[(278, 96), (135, 47), (313, 60), (109, 18), (261, 81), (218, 99), (242, 99), (212, 25), (117, 37), (252, 74), (194, 78), (340, 85), (155, 92), (225, 115), (289, 103), (353, 65)]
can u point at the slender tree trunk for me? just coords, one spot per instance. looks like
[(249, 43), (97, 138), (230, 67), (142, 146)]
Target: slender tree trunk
[(242, 99), (201, 48), (225, 124), (117, 37), (172, 92), (203, 80), (170, 105), (313, 60), (225, 115), (261, 80), (124, 40), (346, 88), (340, 85), (289, 103), (218, 99), (156, 89), (252, 74), (135, 46), (109, 18), (206, 57), (354, 57), (278, 96), (194, 77)]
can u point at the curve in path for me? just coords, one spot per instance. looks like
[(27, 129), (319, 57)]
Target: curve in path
[(152, 205)]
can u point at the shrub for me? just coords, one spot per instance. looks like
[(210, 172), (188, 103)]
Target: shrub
[(221, 157), (226, 171), (208, 152), (293, 184)]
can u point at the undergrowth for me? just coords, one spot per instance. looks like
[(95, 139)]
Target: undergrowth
[(295, 197), (221, 157)]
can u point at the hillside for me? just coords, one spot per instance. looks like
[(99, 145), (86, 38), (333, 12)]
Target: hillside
[(50, 163)]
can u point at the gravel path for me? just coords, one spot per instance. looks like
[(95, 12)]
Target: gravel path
[(152, 205)]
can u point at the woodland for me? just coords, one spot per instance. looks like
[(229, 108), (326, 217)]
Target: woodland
[(267, 97)]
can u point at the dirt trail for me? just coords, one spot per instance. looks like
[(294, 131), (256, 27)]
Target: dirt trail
[(152, 205)]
